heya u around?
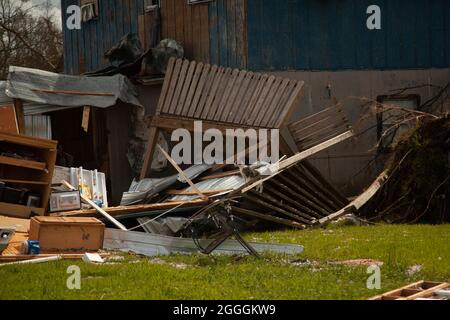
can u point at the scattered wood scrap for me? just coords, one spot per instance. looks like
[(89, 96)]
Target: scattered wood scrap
[(422, 290)]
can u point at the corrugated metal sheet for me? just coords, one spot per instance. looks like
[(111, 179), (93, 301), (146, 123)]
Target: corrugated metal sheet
[(332, 35), (220, 184), (30, 84), (38, 126)]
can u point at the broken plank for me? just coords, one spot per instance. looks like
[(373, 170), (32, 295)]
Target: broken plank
[(360, 201)]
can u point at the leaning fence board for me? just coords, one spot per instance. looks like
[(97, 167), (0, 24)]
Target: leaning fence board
[(359, 202), (158, 245), (301, 156), (226, 97)]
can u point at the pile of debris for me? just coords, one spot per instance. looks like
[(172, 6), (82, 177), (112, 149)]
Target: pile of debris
[(418, 189), (199, 208)]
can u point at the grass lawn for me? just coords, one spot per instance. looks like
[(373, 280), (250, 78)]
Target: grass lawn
[(274, 277)]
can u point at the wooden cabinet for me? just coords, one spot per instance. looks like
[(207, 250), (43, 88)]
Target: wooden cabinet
[(26, 163)]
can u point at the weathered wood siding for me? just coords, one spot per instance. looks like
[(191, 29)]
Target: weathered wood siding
[(84, 49), (332, 35), (228, 33), (210, 32)]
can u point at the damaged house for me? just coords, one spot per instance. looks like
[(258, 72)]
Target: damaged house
[(275, 37), (138, 70)]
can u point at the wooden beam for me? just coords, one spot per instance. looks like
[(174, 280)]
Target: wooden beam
[(360, 201), (96, 207), (283, 165), (181, 172)]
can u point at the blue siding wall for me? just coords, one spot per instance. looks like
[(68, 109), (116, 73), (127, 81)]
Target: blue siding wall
[(84, 49), (332, 35), (227, 30)]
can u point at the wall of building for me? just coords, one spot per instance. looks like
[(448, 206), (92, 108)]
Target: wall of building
[(333, 35), (341, 164)]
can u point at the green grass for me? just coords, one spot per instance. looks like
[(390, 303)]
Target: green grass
[(273, 277)]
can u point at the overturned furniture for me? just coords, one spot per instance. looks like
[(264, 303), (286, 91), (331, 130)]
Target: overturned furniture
[(222, 98)]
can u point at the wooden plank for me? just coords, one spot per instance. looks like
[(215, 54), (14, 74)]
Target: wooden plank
[(232, 100), (267, 107), (244, 106), (265, 205), (240, 94), (275, 105), (96, 207), (216, 82), (201, 85), (253, 120), (186, 89), (189, 108), (165, 108), (254, 214), (207, 91), (18, 211), (174, 106), (301, 156), (166, 85), (359, 201), (23, 163), (181, 172), (249, 114), (125, 210), (8, 119), (224, 106), (278, 110), (290, 106), (223, 83), (149, 152), (18, 104)]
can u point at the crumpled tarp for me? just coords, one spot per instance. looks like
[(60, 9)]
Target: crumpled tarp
[(27, 84)]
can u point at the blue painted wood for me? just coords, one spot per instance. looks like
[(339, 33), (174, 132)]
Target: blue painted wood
[(332, 35), (88, 45)]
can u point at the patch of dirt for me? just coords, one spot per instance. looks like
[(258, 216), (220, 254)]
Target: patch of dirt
[(358, 263)]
